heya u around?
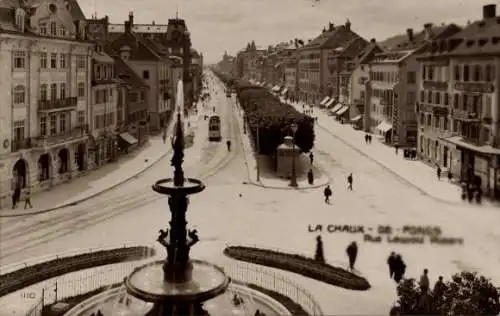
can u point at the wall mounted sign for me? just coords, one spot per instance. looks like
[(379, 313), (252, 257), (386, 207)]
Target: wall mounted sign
[(475, 87)]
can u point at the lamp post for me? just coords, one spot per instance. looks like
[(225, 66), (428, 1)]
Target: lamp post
[(258, 152), (293, 180)]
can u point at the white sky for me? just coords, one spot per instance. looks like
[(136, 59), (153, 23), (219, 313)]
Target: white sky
[(216, 25)]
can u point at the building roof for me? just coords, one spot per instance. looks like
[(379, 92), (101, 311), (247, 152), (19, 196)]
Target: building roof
[(75, 10), (138, 48), (479, 38), (139, 28), (368, 53), (334, 38), (127, 75), (102, 57)]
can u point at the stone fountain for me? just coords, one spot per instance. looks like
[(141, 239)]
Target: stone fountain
[(177, 285)]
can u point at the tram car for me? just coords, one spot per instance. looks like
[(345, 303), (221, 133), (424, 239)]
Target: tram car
[(214, 133)]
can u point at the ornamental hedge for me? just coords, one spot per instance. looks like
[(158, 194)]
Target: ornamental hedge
[(273, 118)]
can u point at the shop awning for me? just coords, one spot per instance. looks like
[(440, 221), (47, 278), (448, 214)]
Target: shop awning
[(342, 110), (336, 108), (459, 142), (284, 91), (323, 102), (357, 118), (129, 139), (329, 103), (384, 127), (276, 88)]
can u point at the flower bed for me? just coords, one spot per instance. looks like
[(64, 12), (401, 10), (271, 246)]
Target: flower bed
[(37, 273), (302, 265)]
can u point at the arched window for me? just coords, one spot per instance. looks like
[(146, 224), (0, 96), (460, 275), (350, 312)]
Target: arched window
[(19, 94)]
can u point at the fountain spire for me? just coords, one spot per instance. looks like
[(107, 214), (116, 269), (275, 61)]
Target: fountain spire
[(178, 156)]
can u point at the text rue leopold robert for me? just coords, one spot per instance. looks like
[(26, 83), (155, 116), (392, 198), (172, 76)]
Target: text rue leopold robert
[(407, 234)]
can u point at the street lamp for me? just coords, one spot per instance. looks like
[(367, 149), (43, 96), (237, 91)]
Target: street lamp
[(293, 180)]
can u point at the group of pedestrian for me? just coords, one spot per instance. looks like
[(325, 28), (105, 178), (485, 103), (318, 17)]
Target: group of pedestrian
[(397, 267), (16, 198), (327, 192), (368, 139), (99, 313)]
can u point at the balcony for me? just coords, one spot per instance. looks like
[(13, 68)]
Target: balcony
[(57, 105), (465, 115), (435, 85), (17, 145), (74, 134)]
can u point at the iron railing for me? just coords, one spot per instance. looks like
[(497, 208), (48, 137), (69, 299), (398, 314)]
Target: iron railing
[(85, 281)]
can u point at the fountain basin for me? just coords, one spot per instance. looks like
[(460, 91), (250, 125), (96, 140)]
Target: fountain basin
[(167, 186), (147, 283)]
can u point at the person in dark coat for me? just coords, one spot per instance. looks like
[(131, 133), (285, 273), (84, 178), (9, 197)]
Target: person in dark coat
[(327, 192), (390, 263), (310, 176), (438, 172), (439, 287), (399, 268), (311, 157), (366, 138), (352, 253), (349, 182), (16, 196)]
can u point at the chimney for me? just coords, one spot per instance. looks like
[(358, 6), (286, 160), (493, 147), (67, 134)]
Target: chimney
[(409, 32), (153, 23), (348, 25), (428, 30), (128, 29), (131, 19), (330, 26), (372, 41), (489, 11)]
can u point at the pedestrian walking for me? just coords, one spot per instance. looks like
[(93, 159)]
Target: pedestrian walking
[(27, 200), (228, 144), (438, 172), (311, 157), (396, 147), (15, 197), (450, 176), (399, 268), (352, 253), (390, 262), (424, 282), (349, 182), (366, 138), (310, 177), (327, 192), (369, 139)]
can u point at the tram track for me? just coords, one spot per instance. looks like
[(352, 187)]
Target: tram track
[(19, 238)]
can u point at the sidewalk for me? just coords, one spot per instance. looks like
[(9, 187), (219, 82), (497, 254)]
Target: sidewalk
[(268, 179), (97, 181), (415, 173)]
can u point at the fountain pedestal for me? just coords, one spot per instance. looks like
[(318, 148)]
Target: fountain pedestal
[(177, 285)]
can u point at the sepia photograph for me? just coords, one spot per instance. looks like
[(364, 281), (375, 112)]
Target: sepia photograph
[(249, 158)]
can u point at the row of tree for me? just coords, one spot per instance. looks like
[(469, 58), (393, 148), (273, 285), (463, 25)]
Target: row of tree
[(272, 118)]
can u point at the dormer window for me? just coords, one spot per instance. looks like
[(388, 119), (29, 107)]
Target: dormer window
[(62, 31), (125, 53), (43, 28), (53, 29), (20, 19)]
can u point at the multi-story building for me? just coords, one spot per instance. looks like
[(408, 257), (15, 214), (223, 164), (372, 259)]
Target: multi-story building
[(322, 60), (228, 64), (394, 86), (290, 64), (150, 60), (45, 85), (358, 79), (103, 109), (133, 102), (250, 61), (459, 102), (174, 36), (197, 73)]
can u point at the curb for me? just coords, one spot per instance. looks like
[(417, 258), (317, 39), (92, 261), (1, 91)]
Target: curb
[(260, 184), (73, 203)]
